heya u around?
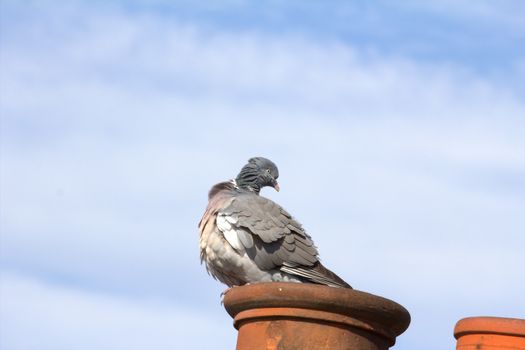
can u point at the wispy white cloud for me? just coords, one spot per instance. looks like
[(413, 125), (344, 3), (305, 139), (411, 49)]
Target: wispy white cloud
[(40, 315)]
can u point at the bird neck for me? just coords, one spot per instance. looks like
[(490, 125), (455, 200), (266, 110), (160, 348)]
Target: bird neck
[(247, 186)]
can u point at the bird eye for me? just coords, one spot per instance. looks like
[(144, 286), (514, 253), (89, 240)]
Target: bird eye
[(268, 171)]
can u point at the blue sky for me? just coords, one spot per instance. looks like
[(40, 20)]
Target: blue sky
[(397, 128)]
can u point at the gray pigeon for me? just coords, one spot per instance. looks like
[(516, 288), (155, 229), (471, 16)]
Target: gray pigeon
[(246, 238)]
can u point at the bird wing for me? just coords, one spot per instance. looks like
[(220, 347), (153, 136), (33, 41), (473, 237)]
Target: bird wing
[(268, 234), (273, 239)]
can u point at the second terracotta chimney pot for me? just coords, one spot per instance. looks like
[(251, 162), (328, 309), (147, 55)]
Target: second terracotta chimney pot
[(490, 333)]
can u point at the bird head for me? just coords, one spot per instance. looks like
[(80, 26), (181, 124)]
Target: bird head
[(258, 173)]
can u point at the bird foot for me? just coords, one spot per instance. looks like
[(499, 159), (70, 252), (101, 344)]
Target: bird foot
[(224, 292)]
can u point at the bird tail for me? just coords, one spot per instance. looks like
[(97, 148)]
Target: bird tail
[(317, 274)]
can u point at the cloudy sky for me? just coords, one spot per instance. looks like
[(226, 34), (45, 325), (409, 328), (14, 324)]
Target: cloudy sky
[(398, 128)]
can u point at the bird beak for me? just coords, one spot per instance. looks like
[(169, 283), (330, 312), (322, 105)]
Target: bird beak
[(276, 186)]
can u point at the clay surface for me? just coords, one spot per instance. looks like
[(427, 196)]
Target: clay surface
[(490, 333), (307, 316)]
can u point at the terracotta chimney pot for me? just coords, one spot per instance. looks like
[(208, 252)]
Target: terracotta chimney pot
[(490, 333), (291, 316)]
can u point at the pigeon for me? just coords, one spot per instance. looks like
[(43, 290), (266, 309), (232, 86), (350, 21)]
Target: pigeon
[(246, 238)]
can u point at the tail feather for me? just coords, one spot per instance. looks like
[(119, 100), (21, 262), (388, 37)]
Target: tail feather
[(316, 274)]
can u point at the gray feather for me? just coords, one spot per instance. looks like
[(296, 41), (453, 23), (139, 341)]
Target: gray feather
[(247, 238)]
